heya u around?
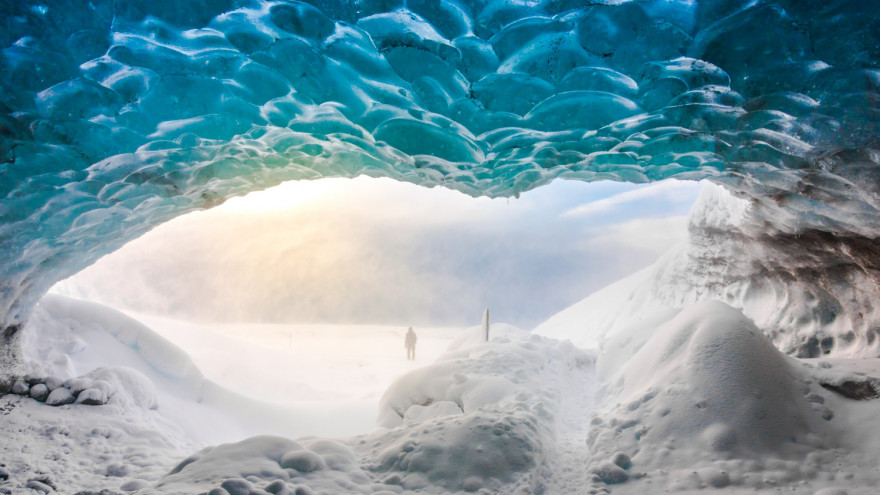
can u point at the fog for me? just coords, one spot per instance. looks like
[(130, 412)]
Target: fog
[(379, 251)]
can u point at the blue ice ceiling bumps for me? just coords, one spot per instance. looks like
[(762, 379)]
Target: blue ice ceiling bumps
[(118, 115)]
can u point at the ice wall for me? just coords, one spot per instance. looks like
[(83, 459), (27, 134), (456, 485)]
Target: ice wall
[(118, 115), (812, 294)]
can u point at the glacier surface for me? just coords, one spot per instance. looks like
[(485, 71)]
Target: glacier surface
[(119, 115)]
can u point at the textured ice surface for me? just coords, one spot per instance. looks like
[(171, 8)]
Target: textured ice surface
[(118, 115)]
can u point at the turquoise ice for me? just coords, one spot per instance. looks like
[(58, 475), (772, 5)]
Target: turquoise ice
[(119, 115)]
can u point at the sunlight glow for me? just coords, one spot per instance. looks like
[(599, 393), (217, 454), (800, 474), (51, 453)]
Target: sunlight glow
[(379, 251)]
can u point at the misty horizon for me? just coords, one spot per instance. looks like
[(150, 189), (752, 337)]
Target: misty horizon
[(376, 251)]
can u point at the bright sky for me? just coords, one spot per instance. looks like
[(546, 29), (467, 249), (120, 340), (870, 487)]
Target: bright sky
[(379, 251)]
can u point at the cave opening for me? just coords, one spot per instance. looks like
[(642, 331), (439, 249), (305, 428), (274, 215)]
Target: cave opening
[(299, 295), (758, 337)]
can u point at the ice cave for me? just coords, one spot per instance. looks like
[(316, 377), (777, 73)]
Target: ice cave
[(746, 360)]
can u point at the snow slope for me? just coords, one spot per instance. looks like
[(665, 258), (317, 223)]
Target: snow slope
[(811, 295)]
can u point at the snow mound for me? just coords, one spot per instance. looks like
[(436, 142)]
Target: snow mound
[(469, 376), (269, 464), (483, 417), (121, 385), (467, 452), (708, 394), (99, 321)]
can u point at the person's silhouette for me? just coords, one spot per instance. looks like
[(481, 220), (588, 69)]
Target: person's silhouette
[(410, 344)]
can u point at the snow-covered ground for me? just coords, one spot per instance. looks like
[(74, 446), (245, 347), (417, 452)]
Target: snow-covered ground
[(687, 400), (338, 370), (467, 415)]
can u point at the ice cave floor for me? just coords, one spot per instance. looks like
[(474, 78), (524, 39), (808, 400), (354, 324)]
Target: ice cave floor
[(701, 401)]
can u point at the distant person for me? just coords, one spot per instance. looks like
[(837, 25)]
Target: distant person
[(410, 344)]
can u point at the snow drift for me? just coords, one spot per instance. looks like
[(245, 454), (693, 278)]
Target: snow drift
[(707, 386)]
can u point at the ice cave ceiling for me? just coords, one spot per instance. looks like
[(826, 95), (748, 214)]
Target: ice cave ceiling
[(120, 114)]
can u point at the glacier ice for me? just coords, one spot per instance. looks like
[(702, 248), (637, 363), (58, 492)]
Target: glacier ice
[(119, 115), (812, 293)]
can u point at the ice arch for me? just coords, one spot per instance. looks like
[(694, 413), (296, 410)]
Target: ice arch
[(120, 114)]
